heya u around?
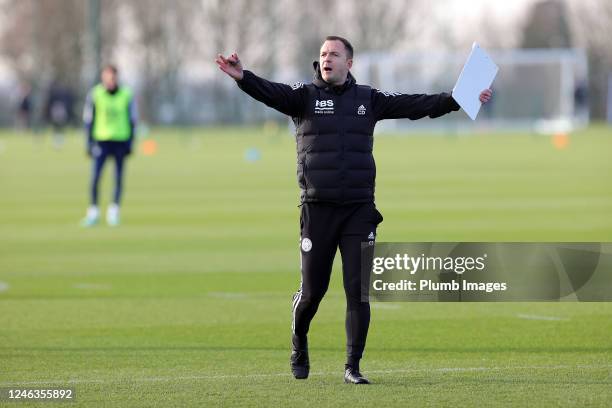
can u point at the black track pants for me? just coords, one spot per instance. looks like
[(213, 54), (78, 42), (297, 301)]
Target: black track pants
[(324, 228)]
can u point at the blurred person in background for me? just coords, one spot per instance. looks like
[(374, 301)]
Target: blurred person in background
[(335, 119), (24, 106), (59, 110), (110, 118)]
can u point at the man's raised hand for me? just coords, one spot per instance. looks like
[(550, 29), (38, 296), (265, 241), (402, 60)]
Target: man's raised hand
[(230, 65), (486, 95)]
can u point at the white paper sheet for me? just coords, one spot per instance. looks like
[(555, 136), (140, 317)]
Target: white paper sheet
[(477, 75)]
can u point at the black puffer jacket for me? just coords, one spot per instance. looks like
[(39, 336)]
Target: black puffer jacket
[(335, 127)]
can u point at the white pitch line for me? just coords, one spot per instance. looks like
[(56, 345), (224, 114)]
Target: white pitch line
[(286, 374), (536, 317), (92, 286), (228, 295), (4, 286), (385, 306)]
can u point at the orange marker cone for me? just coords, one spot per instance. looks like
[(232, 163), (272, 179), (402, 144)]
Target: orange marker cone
[(149, 147), (560, 140)]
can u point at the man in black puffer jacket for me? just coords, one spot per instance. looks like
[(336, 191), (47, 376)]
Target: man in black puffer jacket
[(335, 119)]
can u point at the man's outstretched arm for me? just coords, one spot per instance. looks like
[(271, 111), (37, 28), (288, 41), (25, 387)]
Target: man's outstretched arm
[(284, 98), (89, 115), (416, 106), (133, 114)]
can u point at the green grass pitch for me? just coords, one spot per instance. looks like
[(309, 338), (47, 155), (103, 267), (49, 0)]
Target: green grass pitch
[(187, 303)]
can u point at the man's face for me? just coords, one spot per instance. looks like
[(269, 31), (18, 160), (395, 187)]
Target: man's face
[(109, 79), (334, 62)]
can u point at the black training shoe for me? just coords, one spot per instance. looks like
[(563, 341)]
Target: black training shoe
[(300, 365), (353, 376)]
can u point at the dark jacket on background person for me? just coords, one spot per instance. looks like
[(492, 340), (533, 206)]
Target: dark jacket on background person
[(335, 130)]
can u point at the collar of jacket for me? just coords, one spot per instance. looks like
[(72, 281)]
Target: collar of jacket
[(320, 83)]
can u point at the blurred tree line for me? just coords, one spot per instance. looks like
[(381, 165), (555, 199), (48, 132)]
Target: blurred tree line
[(586, 24), (170, 46)]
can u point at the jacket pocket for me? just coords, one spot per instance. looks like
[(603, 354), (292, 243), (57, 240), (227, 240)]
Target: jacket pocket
[(305, 171), (377, 217)]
